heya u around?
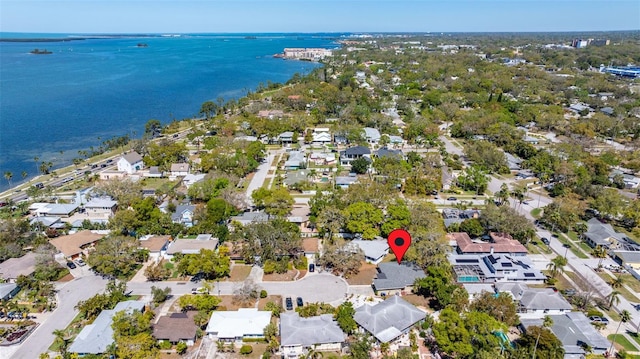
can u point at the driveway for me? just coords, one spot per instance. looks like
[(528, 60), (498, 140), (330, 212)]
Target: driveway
[(69, 294)]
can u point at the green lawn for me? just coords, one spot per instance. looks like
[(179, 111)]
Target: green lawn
[(623, 291), (536, 212), (572, 246), (623, 341)]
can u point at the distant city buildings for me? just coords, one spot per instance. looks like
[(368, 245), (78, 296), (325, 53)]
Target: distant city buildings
[(311, 54)]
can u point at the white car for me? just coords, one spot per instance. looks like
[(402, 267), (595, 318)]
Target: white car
[(80, 262)]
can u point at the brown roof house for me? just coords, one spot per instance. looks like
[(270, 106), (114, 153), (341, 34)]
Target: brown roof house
[(176, 327), (12, 268), (501, 243), (156, 245), (73, 245)]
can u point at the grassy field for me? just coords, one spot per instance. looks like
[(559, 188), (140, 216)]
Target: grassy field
[(623, 291), (536, 212), (623, 342)]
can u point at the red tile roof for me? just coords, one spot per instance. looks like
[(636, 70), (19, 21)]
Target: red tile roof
[(500, 243)]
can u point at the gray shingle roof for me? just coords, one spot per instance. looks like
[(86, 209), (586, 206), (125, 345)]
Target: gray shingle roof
[(132, 157), (573, 329), (599, 232), (95, 338), (389, 319), (309, 331), (392, 275), (357, 150), (539, 299)]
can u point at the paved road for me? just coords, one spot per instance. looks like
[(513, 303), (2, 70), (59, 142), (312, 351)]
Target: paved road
[(317, 287), (259, 177), (69, 294)]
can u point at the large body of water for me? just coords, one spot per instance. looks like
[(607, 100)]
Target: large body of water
[(89, 90)]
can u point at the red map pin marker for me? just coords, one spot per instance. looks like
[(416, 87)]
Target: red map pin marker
[(399, 241)]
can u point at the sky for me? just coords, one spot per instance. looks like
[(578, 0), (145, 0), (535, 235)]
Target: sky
[(257, 16)]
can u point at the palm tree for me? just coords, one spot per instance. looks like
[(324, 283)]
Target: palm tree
[(557, 265), (581, 228), (24, 175), (601, 253), (45, 167), (62, 339), (503, 194), (625, 316), (518, 195), (614, 297), (617, 282), (8, 176), (546, 323)]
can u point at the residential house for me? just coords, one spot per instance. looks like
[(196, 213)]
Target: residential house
[(390, 319), (372, 135), (245, 218), (481, 268), (190, 179), (580, 107), (96, 338), (156, 245), (575, 332), (514, 162), (191, 246), (311, 247), (153, 172), (321, 136), (175, 328), (296, 176), (455, 215), (286, 137), (476, 289), (393, 277), (396, 140), (299, 335), (178, 170), (101, 207), (345, 181), (296, 160), (63, 210), (300, 216), (130, 163), (390, 153), (74, 245), (535, 302), (630, 181), (498, 243), (12, 268), (602, 234), (374, 250), (271, 114), (184, 214), (234, 326), (607, 111), (8, 290), (352, 153), (44, 222)]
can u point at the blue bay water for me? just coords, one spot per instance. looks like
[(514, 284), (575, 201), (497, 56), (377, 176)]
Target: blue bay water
[(89, 90)]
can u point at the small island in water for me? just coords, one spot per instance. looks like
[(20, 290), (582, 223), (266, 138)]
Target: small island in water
[(40, 52), (142, 45)]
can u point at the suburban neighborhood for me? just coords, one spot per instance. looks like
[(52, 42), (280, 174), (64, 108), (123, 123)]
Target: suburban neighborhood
[(260, 229)]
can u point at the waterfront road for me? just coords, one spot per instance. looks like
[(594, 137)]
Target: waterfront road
[(69, 294)]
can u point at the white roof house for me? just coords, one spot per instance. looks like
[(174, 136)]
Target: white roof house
[(390, 319), (321, 135), (372, 135), (298, 334), (100, 206), (235, 325), (374, 250), (96, 338)]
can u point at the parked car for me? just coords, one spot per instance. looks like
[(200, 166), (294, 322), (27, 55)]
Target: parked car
[(289, 303), (200, 290), (312, 267), (545, 240), (597, 319), (71, 265), (299, 302), (452, 199), (80, 262)]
